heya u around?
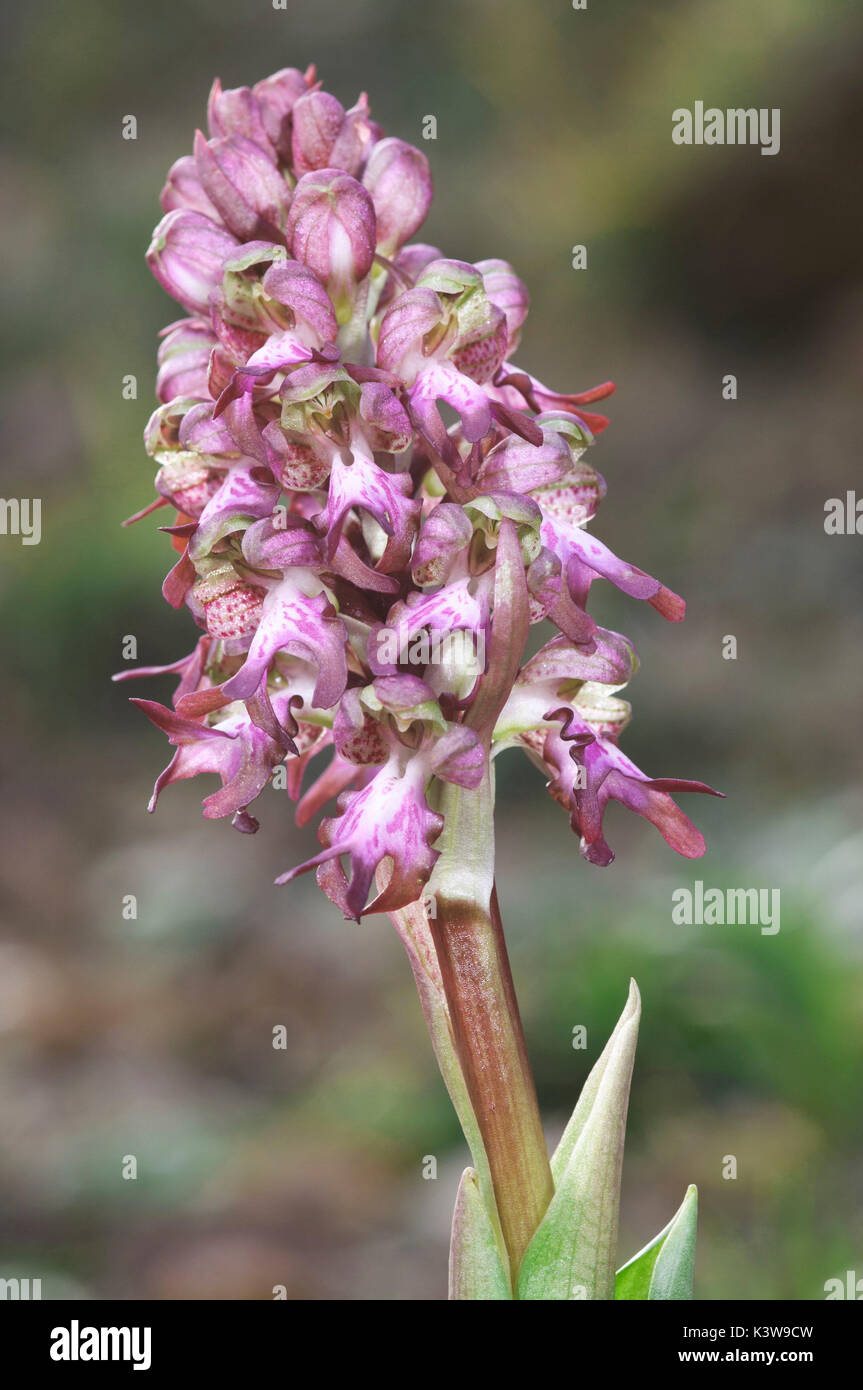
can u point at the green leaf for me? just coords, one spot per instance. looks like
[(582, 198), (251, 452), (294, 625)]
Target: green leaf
[(664, 1268), (475, 1269), (572, 1254), (590, 1089)]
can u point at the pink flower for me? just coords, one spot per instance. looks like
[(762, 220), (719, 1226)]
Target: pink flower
[(364, 573)]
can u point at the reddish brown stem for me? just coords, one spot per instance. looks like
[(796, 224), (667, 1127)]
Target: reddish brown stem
[(490, 1043)]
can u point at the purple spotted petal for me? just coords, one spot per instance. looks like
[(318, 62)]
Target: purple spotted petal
[(516, 465), (279, 351), (612, 662), (404, 325), (300, 290), (445, 533), (459, 756), (281, 543), (385, 423), (452, 608)]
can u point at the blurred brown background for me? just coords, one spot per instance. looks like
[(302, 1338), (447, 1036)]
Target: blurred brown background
[(303, 1167)]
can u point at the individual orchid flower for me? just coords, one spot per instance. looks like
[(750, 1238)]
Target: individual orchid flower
[(568, 492), (589, 770), (294, 321), (398, 723), (235, 749), (334, 427), (445, 339)]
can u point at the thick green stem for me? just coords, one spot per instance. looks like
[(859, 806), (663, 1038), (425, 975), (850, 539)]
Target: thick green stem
[(489, 1040)]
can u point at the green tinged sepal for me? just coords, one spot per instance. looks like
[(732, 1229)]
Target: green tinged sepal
[(664, 1269), (475, 1268), (572, 1255)]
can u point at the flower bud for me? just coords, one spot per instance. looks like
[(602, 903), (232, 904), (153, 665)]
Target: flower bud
[(302, 296), (183, 189), (317, 120), (331, 229), (276, 97), (508, 293), (186, 256), (399, 180), (325, 136), (244, 186), (237, 112), (184, 359)]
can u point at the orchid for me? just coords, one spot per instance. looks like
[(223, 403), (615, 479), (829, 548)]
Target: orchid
[(366, 577)]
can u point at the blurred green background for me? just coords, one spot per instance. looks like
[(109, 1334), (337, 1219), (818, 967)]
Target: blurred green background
[(153, 1037)]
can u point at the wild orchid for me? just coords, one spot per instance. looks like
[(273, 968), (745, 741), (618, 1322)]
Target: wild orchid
[(365, 572)]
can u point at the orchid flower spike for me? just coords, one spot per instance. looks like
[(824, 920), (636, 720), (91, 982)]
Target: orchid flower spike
[(362, 573)]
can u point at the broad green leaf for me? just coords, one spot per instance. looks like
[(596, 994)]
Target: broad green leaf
[(664, 1269), (475, 1269), (572, 1254)]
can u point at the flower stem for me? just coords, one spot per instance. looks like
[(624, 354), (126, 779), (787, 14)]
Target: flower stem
[(489, 1040), (413, 926)]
